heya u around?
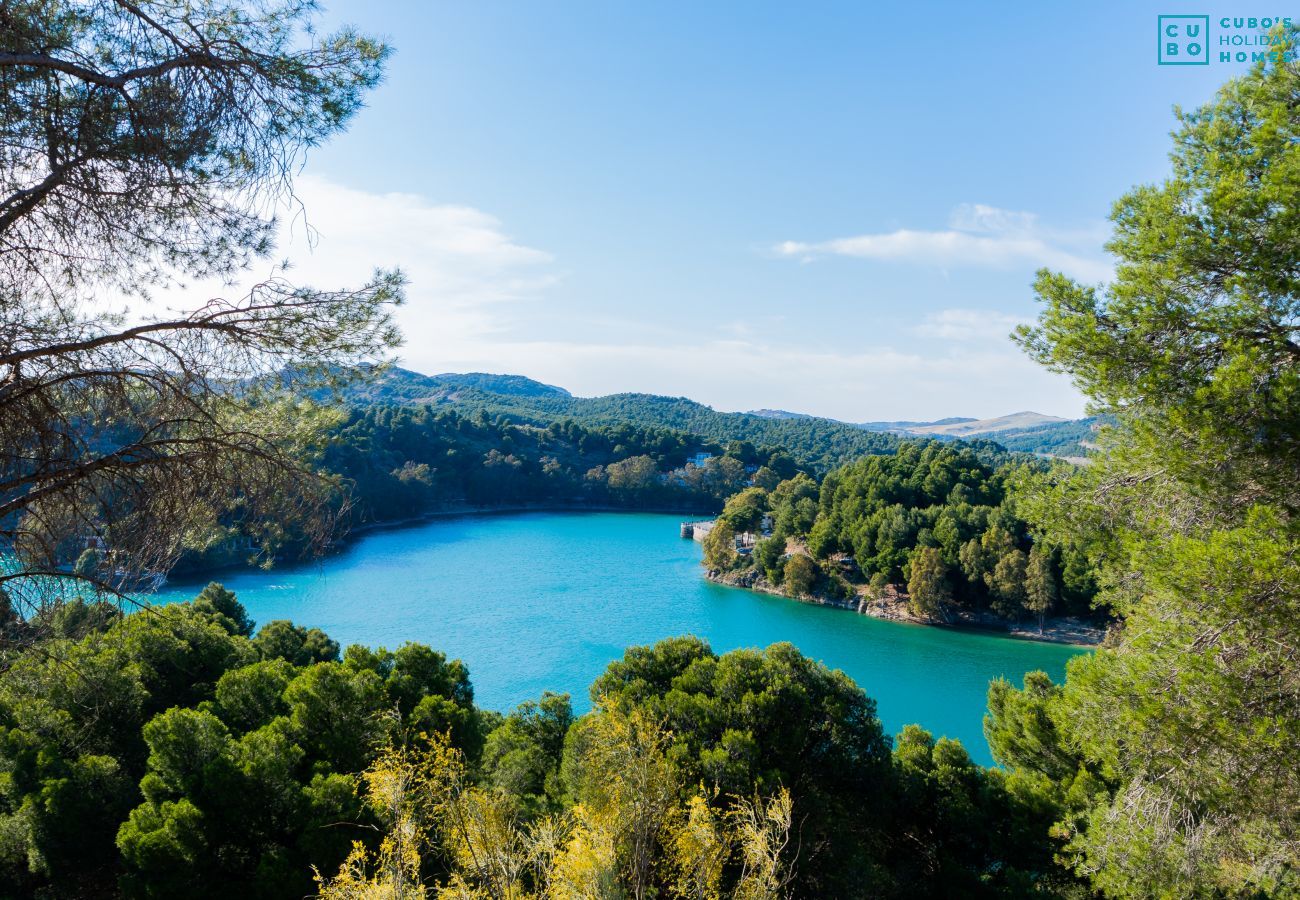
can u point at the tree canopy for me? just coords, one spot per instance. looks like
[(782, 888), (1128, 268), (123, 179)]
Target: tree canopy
[(182, 751), (172, 751), (941, 519), (1172, 751)]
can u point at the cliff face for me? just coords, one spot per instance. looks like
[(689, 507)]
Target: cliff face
[(891, 603), (753, 580)]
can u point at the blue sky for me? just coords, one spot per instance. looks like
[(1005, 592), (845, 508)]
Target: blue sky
[(831, 208)]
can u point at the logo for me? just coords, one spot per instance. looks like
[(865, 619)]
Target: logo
[(1184, 41)]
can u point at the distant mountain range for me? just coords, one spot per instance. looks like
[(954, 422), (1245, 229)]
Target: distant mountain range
[(956, 426), (1025, 432), (960, 427), (813, 440)]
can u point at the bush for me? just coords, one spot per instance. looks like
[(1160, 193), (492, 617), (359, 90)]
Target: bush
[(801, 575)]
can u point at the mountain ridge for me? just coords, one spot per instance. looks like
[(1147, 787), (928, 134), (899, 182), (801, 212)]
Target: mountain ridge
[(812, 439)]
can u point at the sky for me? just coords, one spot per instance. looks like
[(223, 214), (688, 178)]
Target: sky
[(831, 208)]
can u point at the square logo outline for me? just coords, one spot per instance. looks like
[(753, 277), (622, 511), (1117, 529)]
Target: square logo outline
[(1160, 38)]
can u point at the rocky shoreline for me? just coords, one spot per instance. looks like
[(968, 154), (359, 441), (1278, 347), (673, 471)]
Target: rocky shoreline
[(892, 604)]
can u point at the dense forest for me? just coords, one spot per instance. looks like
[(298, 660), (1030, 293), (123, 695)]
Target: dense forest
[(389, 463), (404, 460), (179, 752), (937, 519), (814, 444)]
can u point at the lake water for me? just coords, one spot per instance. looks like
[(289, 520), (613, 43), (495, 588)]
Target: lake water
[(544, 601)]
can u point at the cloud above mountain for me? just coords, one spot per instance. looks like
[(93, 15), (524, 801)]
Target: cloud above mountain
[(977, 236), (476, 295)]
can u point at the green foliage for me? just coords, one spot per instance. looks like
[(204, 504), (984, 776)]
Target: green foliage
[(1041, 592), (169, 751), (397, 462), (1185, 696), (971, 832), (793, 503), (744, 511), (817, 444), (523, 754), (937, 516), (220, 604), (1021, 731), (720, 548), (1171, 753), (751, 721), (880, 509), (77, 618), (1006, 583), (800, 575), (1200, 321), (299, 646), (453, 441), (924, 821), (766, 478), (928, 589), (769, 556), (168, 754), (1075, 439)]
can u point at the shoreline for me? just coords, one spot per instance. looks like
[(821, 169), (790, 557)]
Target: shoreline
[(467, 510), (1058, 630), (355, 533)]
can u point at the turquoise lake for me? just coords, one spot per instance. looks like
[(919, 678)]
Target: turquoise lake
[(544, 601)]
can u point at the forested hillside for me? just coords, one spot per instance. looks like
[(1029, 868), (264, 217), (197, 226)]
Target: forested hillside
[(937, 520), (818, 444), (1024, 432), (1075, 439), (389, 463)]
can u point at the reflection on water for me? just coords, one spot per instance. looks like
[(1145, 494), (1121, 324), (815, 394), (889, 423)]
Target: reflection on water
[(544, 601)]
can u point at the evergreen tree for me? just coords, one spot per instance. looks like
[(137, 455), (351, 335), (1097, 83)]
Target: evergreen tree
[(1040, 583), (929, 591), (1007, 583), (1175, 751), (800, 575)]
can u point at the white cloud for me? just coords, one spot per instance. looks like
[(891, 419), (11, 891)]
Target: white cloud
[(465, 272), (991, 220), (473, 289), (977, 235), (968, 325)]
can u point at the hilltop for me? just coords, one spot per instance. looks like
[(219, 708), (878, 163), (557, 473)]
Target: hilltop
[(977, 427), (814, 441), (398, 385), (820, 444)]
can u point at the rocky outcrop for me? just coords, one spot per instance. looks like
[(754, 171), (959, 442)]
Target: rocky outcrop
[(891, 603)]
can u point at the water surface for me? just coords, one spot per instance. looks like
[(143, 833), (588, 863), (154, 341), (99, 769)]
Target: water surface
[(544, 601)]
